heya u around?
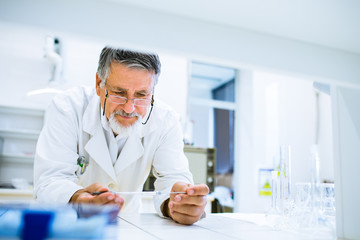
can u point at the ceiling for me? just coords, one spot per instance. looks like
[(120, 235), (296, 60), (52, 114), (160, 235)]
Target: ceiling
[(330, 23)]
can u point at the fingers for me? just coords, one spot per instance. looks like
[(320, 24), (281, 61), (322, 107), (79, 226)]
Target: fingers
[(186, 209), (185, 213), (201, 189), (180, 187), (191, 200), (96, 187), (106, 197), (184, 218)]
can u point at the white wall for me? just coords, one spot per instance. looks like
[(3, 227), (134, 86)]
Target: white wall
[(203, 128), (172, 87), (346, 118), (154, 30), (24, 67), (282, 112)]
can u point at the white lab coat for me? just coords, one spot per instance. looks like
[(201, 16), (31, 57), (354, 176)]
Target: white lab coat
[(73, 128)]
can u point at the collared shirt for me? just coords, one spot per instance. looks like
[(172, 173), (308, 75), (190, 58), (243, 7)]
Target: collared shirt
[(115, 144)]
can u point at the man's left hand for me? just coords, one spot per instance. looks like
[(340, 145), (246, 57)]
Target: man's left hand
[(187, 208)]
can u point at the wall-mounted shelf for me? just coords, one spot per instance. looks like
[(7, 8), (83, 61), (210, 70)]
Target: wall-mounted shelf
[(16, 158), (19, 131)]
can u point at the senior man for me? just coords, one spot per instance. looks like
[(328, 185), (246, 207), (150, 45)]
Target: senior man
[(107, 140)]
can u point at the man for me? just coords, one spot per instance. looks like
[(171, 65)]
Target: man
[(107, 139)]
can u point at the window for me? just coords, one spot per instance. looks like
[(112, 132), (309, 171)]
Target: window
[(212, 110)]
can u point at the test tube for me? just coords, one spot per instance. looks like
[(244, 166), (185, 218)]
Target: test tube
[(285, 178), (315, 177), (274, 191), (285, 171)]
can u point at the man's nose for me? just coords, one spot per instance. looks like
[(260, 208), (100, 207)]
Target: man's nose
[(129, 106)]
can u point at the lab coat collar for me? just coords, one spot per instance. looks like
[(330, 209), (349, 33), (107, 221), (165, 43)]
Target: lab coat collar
[(97, 146), (91, 116), (152, 123)]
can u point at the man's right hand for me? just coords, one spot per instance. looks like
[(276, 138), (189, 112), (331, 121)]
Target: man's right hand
[(85, 196)]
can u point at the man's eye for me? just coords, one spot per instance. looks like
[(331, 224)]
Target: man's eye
[(142, 95), (119, 93)]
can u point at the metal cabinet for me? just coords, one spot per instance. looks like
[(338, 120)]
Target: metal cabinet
[(202, 164)]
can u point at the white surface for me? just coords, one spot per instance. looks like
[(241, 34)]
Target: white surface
[(21, 47), (277, 110), (211, 39), (214, 226), (323, 18), (347, 164), (16, 195)]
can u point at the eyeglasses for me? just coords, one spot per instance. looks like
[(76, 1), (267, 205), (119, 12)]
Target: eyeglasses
[(140, 102)]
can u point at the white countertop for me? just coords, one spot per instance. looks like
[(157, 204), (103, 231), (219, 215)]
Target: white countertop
[(214, 226)]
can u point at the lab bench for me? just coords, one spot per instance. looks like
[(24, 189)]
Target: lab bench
[(215, 226), (224, 226)]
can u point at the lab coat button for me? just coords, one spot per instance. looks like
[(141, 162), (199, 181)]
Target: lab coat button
[(111, 185)]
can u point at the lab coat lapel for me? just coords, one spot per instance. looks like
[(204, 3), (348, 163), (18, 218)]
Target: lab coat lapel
[(97, 146), (132, 151)]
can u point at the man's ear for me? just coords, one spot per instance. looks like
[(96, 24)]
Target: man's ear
[(97, 85)]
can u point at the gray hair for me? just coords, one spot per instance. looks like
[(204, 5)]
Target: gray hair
[(131, 59)]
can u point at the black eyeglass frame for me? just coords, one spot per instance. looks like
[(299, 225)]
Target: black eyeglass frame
[(151, 104)]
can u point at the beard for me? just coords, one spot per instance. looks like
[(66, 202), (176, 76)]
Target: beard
[(121, 130)]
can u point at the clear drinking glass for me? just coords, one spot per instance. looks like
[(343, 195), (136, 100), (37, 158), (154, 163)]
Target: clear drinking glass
[(302, 211)]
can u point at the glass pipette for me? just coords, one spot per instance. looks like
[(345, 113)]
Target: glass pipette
[(146, 193)]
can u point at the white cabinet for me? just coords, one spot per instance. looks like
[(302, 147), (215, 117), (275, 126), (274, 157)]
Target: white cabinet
[(19, 131)]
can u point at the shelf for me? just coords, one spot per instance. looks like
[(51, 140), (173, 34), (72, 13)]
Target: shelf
[(16, 196), (16, 192), (19, 133), (17, 158), (21, 111)]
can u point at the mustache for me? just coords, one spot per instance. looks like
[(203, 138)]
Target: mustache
[(124, 114)]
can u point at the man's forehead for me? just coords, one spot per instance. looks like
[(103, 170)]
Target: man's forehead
[(120, 88), (118, 85)]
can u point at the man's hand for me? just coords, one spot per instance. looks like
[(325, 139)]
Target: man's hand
[(85, 196), (187, 208)]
